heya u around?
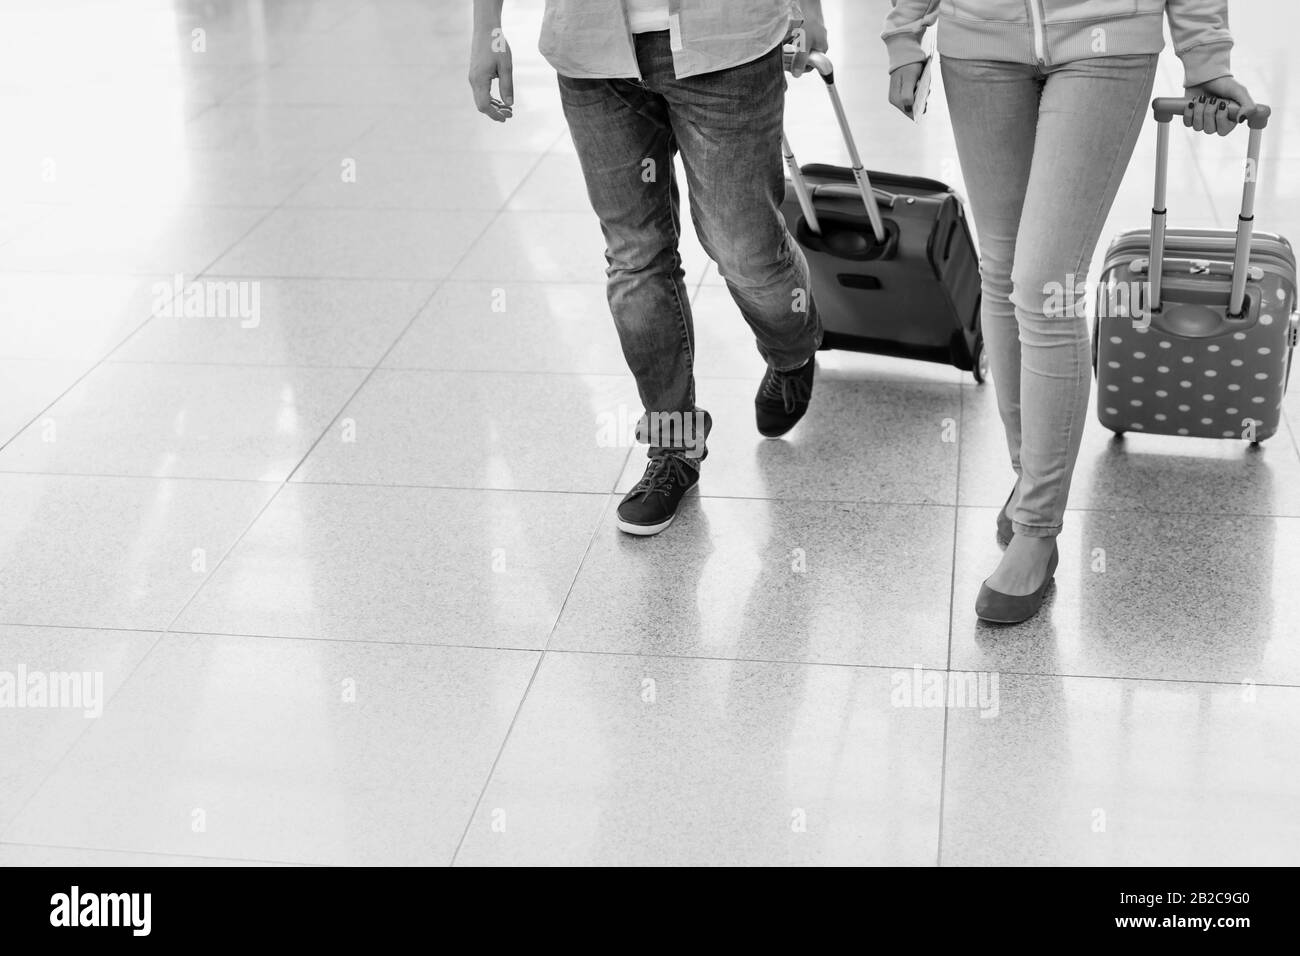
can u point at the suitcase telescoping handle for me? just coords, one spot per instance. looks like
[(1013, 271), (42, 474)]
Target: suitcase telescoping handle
[(1165, 109), (826, 71)]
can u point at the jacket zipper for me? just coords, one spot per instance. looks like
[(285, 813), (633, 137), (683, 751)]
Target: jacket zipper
[(1037, 16)]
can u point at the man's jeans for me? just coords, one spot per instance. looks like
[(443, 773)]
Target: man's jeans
[(727, 126), (1043, 153)]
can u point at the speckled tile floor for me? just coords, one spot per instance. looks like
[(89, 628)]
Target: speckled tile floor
[(338, 563)]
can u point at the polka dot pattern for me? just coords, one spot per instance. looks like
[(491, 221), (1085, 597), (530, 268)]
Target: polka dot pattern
[(1246, 366)]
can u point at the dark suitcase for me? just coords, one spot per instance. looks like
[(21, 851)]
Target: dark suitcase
[(1202, 346), (894, 270)]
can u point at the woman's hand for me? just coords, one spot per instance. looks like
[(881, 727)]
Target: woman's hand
[(902, 86), (1210, 102)]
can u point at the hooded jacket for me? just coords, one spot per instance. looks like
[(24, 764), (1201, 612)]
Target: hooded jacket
[(1052, 32)]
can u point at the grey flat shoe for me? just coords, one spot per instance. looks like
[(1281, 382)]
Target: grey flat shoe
[(1005, 530), (998, 608)]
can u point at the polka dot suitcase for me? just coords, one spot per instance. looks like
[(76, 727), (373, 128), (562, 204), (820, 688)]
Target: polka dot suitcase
[(1201, 346)]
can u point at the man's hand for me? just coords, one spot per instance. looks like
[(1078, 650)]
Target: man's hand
[(1212, 102), (489, 59), (809, 38), (902, 86)]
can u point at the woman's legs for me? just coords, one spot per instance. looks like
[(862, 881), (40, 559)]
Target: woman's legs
[(1088, 118), (994, 109)]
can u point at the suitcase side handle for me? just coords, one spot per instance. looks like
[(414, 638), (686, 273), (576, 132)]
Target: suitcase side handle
[(1165, 109), (1196, 267), (826, 70), (851, 192)]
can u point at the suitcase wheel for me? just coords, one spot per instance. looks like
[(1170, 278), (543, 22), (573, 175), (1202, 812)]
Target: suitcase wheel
[(980, 369)]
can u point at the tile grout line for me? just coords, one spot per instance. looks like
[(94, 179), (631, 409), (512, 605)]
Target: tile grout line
[(952, 617), (175, 856), (1295, 442), (943, 781), (756, 374), (505, 740), (135, 669), (956, 515), (45, 213), (523, 698), (779, 662), (72, 745), (855, 502), (145, 273), (249, 366), (78, 380), (307, 178)]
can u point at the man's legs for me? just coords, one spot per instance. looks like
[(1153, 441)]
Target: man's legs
[(626, 146), (728, 127)]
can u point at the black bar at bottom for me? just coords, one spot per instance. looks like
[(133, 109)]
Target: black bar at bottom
[(304, 906)]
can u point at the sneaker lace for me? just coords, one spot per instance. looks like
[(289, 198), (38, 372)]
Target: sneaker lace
[(787, 388), (660, 475)]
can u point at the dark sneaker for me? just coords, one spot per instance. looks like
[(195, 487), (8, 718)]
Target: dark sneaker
[(783, 398), (652, 505)]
